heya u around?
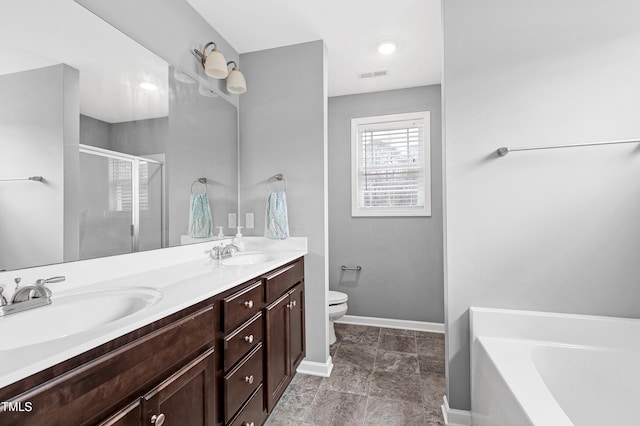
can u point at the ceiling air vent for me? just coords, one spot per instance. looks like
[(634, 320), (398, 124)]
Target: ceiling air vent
[(373, 74)]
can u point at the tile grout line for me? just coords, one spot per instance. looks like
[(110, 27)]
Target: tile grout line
[(373, 368)]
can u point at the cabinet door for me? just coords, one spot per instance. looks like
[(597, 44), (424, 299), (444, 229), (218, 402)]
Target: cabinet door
[(296, 325), (185, 398), (128, 416), (278, 361)]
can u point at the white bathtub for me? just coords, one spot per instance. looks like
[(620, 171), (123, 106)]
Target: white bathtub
[(545, 369)]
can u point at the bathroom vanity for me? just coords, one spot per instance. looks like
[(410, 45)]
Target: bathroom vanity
[(225, 359)]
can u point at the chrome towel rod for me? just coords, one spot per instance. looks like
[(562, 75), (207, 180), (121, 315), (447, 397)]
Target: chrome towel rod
[(351, 268), (504, 150), (35, 178)]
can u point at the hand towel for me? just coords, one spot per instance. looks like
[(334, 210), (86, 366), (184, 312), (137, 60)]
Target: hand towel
[(200, 221), (276, 221)]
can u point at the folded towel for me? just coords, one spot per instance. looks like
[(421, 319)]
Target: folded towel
[(276, 221), (200, 221)]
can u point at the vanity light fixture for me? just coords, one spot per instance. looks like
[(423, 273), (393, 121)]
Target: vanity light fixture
[(214, 63), (216, 66), (236, 82)]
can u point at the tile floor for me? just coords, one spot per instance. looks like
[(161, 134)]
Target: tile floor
[(380, 376)]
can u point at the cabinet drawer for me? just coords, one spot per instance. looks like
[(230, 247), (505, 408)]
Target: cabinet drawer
[(242, 305), (90, 391), (242, 340), (241, 382), (251, 414), (278, 282)]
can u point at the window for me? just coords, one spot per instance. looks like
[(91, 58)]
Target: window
[(390, 167), (121, 185)]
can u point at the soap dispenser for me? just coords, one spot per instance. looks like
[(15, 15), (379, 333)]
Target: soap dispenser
[(220, 232), (237, 240)]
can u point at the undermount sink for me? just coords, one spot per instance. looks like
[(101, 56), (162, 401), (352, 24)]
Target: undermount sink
[(72, 314), (246, 258)]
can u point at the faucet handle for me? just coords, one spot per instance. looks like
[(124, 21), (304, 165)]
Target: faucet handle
[(3, 300), (51, 280), (216, 252)]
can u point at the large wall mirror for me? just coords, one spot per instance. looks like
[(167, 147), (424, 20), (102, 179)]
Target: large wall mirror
[(117, 135)]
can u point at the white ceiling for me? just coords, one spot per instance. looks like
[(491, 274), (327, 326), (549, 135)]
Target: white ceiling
[(40, 33), (350, 28)]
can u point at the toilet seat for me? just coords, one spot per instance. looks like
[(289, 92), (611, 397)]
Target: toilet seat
[(336, 298)]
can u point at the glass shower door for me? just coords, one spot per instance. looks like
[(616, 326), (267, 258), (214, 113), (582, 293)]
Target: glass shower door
[(105, 200), (150, 218), (121, 203)]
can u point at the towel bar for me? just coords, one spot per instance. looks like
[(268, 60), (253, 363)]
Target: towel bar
[(34, 178), (351, 268)]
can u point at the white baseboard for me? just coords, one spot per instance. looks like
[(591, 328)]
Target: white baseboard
[(453, 417), (312, 368), (433, 327)]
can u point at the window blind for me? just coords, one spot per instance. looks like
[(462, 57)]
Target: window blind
[(391, 165), (121, 182)]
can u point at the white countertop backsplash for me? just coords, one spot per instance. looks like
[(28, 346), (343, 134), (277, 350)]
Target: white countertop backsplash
[(185, 275)]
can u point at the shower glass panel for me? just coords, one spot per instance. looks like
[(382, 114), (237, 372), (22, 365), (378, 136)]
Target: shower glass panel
[(150, 178), (120, 202)]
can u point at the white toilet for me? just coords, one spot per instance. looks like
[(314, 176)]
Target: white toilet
[(337, 309)]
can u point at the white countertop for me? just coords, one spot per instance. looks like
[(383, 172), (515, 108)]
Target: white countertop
[(182, 285)]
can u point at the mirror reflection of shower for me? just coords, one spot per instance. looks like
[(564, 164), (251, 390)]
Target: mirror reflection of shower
[(120, 201)]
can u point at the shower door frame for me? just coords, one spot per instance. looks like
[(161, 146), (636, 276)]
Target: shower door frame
[(135, 189)]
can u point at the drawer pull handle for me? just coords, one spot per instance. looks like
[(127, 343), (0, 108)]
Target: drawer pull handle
[(248, 424), (249, 379), (248, 304), (293, 303), (248, 338), (157, 420)]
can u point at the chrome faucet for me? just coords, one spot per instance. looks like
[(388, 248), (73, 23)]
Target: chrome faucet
[(29, 297), (223, 252), (227, 250)]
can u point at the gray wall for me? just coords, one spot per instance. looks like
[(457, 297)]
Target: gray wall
[(34, 140), (203, 135), (169, 28), (140, 137), (401, 257), (283, 130), (95, 132), (554, 230)]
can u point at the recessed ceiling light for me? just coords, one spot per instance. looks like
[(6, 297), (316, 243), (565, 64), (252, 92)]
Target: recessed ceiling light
[(149, 86), (386, 47)]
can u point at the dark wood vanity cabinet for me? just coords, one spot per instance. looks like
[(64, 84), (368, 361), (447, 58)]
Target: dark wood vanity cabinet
[(182, 399), (224, 361), (284, 334), (186, 397), (159, 366), (262, 343)]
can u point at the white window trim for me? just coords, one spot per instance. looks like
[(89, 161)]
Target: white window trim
[(386, 211)]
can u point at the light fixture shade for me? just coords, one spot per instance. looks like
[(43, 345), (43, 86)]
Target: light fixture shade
[(236, 82), (216, 66)]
